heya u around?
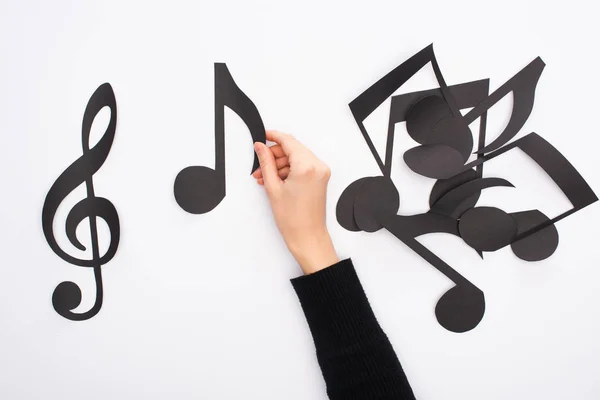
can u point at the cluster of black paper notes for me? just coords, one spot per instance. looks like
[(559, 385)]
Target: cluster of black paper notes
[(433, 119)]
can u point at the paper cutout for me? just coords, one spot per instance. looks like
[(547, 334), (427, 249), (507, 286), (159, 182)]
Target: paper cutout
[(430, 121), (433, 119), (537, 246), (458, 200), (443, 186), (487, 228), (464, 95), (413, 226), (374, 96), (523, 87), (436, 161), (67, 295), (558, 168), (453, 131), (454, 134), (345, 206), (423, 116), (461, 308), (199, 189), (377, 196)]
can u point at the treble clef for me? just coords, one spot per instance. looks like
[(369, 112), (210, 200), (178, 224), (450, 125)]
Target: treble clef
[(67, 295)]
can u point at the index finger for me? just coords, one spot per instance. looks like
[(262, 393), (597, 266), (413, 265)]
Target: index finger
[(286, 141)]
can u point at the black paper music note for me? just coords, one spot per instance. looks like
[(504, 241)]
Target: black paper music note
[(199, 189), (434, 120), (376, 204), (67, 295), (558, 168), (370, 204)]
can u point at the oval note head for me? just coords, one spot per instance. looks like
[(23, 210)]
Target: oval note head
[(66, 297), (461, 308), (345, 206), (539, 245), (376, 199), (437, 161), (198, 189), (454, 133), (422, 117), (487, 228)]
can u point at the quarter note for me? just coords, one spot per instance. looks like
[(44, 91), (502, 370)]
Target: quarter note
[(67, 295), (199, 189)]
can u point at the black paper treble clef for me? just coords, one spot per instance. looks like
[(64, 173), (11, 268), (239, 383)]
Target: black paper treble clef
[(67, 295)]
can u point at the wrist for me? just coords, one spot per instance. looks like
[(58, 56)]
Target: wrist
[(314, 252)]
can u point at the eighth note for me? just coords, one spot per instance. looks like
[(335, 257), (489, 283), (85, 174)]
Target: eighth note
[(199, 189), (67, 295)]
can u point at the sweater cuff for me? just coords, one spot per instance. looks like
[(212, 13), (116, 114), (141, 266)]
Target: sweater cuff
[(335, 305)]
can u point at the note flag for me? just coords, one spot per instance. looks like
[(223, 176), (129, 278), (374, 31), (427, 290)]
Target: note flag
[(199, 189), (67, 295)]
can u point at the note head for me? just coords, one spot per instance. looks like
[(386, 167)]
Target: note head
[(430, 121), (455, 133), (487, 228), (345, 206), (199, 189), (377, 200), (461, 308), (539, 245), (437, 161), (422, 117)]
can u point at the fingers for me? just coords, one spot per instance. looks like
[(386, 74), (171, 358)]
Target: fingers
[(274, 136), (281, 156), (267, 166), (279, 163), (277, 151), (287, 142), (283, 174)]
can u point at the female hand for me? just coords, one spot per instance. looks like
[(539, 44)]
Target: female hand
[(296, 184)]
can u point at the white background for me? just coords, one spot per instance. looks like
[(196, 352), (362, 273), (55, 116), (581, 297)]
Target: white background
[(200, 306)]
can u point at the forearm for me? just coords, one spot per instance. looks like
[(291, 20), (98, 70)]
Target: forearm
[(355, 355)]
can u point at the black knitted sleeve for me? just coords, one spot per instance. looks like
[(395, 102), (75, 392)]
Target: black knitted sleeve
[(355, 355)]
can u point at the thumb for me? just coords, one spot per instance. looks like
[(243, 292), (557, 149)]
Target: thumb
[(267, 165)]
